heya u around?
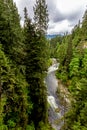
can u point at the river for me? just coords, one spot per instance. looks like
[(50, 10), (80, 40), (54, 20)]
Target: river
[(56, 110)]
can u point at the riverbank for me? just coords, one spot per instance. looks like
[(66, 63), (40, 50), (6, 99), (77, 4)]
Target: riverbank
[(65, 101), (63, 94)]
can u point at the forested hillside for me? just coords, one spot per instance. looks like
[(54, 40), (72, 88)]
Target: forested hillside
[(71, 52), (23, 64), (24, 59)]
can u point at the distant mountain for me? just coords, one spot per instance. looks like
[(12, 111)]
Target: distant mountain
[(50, 36)]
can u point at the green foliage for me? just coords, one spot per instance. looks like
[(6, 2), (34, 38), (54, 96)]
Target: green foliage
[(84, 64), (76, 34), (10, 30), (13, 94), (30, 127), (84, 26), (49, 62), (61, 52), (62, 74), (11, 124), (36, 67), (54, 46), (24, 56), (43, 126), (74, 67), (3, 64), (41, 16), (72, 54)]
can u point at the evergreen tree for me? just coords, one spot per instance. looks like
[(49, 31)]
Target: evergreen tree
[(22, 70), (13, 95), (13, 92), (69, 53), (35, 72), (10, 30), (77, 35), (41, 16), (84, 26), (75, 62)]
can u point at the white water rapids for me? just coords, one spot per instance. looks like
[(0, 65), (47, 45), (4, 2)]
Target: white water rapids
[(56, 111)]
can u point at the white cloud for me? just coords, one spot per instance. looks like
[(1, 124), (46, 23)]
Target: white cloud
[(69, 6), (66, 14), (63, 14), (60, 27)]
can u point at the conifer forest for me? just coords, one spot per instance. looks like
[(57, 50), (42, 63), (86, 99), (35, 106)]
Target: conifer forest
[(25, 56)]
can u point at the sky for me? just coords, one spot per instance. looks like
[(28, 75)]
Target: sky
[(63, 14)]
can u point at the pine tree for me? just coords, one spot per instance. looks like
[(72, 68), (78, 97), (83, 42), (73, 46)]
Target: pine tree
[(10, 30), (69, 53), (13, 96), (41, 16), (84, 26), (35, 67), (13, 92)]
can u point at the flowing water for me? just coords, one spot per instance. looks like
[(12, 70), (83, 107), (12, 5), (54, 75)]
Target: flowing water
[(56, 111)]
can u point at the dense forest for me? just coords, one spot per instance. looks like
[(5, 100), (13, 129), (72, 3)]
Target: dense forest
[(24, 55), (24, 59), (71, 52)]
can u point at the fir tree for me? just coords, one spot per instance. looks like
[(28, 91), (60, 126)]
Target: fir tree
[(13, 92), (10, 30), (84, 26), (35, 68), (41, 16)]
